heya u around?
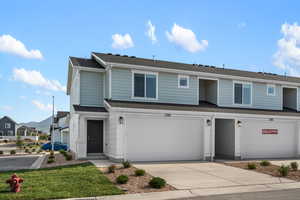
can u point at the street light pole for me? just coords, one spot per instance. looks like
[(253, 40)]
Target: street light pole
[(52, 133)]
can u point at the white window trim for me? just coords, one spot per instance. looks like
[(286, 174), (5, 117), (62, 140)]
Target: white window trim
[(271, 85), (132, 84), (188, 81), (7, 127), (251, 93)]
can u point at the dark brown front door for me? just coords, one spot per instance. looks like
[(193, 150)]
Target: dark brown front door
[(94, 136)]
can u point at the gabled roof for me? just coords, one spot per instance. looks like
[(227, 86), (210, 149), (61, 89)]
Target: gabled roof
[(84, 62), (10, 119), (61, 114), (132, 60)]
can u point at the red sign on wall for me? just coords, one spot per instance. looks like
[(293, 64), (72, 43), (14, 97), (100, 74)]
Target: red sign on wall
[(270, 131)]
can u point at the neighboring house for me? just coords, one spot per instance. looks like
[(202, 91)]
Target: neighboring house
[(26, 132), (61, 128), (8, 128), (137, 109)]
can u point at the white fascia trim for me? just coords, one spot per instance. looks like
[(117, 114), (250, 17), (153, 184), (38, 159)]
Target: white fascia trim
[(93, 114), (70, 73), (205, 74), (200, 113), (188, 81), (99, 60), (89, 69)]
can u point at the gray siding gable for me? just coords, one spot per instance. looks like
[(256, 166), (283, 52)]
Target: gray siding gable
[(4, 130)]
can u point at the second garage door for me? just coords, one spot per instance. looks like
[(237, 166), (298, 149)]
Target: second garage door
[(163, 138), (255, 144)]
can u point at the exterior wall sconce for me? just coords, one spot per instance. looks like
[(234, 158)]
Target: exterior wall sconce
[(167, 115), (208, 122), (239, 123), (271, 119), (121, 120)]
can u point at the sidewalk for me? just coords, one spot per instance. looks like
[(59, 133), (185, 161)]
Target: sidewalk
[(177, 194)]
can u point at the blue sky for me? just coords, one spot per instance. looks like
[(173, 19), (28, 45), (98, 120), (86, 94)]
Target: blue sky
[(36, 38)]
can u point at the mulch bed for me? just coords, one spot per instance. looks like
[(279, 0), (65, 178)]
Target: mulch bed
[(60, 161), (135, 184), (271, 170)]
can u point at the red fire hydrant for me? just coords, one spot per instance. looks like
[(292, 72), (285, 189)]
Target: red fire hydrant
[(15, 183)]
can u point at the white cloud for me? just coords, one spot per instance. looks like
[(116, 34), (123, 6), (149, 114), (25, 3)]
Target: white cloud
[(186, 38), (287, 56), (9, 44), (151, 32), (46, 93), (6, 108), (122, 41), (242, 25), (41, 106), (35, 78), (23, 97)]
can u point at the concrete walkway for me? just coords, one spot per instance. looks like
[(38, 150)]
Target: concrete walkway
[(208, 175)]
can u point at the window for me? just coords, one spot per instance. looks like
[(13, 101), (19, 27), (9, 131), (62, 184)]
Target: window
[(183, 81), (145, 85), (1, 133), (242, 93), (10, 133), (7, 125), (271, 90)]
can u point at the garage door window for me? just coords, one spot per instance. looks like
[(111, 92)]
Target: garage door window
[(242, 93), (145, 85)]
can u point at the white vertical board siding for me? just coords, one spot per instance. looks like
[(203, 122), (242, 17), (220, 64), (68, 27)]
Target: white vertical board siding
[(254, 144), (168, 91), (260, 99), (91, 88)]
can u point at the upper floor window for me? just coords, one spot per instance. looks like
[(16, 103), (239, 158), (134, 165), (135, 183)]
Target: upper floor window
[(271, 90), (145, 85), (183, 81), (242, 93), (7, 125)]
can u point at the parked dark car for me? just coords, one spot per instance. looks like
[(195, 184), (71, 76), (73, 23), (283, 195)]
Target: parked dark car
[(57, 146)]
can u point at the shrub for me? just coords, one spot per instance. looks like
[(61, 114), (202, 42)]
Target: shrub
[(52, 153), (157, 182), (68, 157), (51, 157), (112, 169), (294, 166), (33, 150), (1, 152), (251, 166), (51, 160), (40, 151), (26, 150), (63, 152), (265, 163), (122, 179), (126, 164), (12, 152), (139, 172), (284, 170), (5, 141)]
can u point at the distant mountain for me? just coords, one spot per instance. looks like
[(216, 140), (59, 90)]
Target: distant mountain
[(43, 125)]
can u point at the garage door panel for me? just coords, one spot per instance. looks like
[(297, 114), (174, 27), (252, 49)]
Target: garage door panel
[(254, 144), (161, 138)]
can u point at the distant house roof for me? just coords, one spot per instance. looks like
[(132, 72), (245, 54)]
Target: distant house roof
[(10, 119), (202, 107), (132, 60), (89, 108), (61, 114), (83, 62)]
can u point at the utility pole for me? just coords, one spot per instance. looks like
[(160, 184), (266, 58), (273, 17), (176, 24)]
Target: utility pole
[(52, 132)]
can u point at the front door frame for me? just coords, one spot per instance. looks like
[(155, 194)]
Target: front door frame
[(99, 120)]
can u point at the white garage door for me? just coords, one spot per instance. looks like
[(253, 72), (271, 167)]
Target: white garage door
[(163, 138), (254, 144)]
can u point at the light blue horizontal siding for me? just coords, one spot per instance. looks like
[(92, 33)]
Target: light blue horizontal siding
[(260, 99), (91, 88), (168, 91)]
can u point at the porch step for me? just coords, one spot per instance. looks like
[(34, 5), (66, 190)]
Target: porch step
[(96, 157)]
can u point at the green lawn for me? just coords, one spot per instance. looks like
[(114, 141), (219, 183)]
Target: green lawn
[(83, 180)]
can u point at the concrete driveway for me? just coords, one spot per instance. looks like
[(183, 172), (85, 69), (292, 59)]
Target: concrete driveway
[(208, 175)]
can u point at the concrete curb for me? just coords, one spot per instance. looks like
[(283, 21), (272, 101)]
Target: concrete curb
[(37, 164), (177, 194)]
